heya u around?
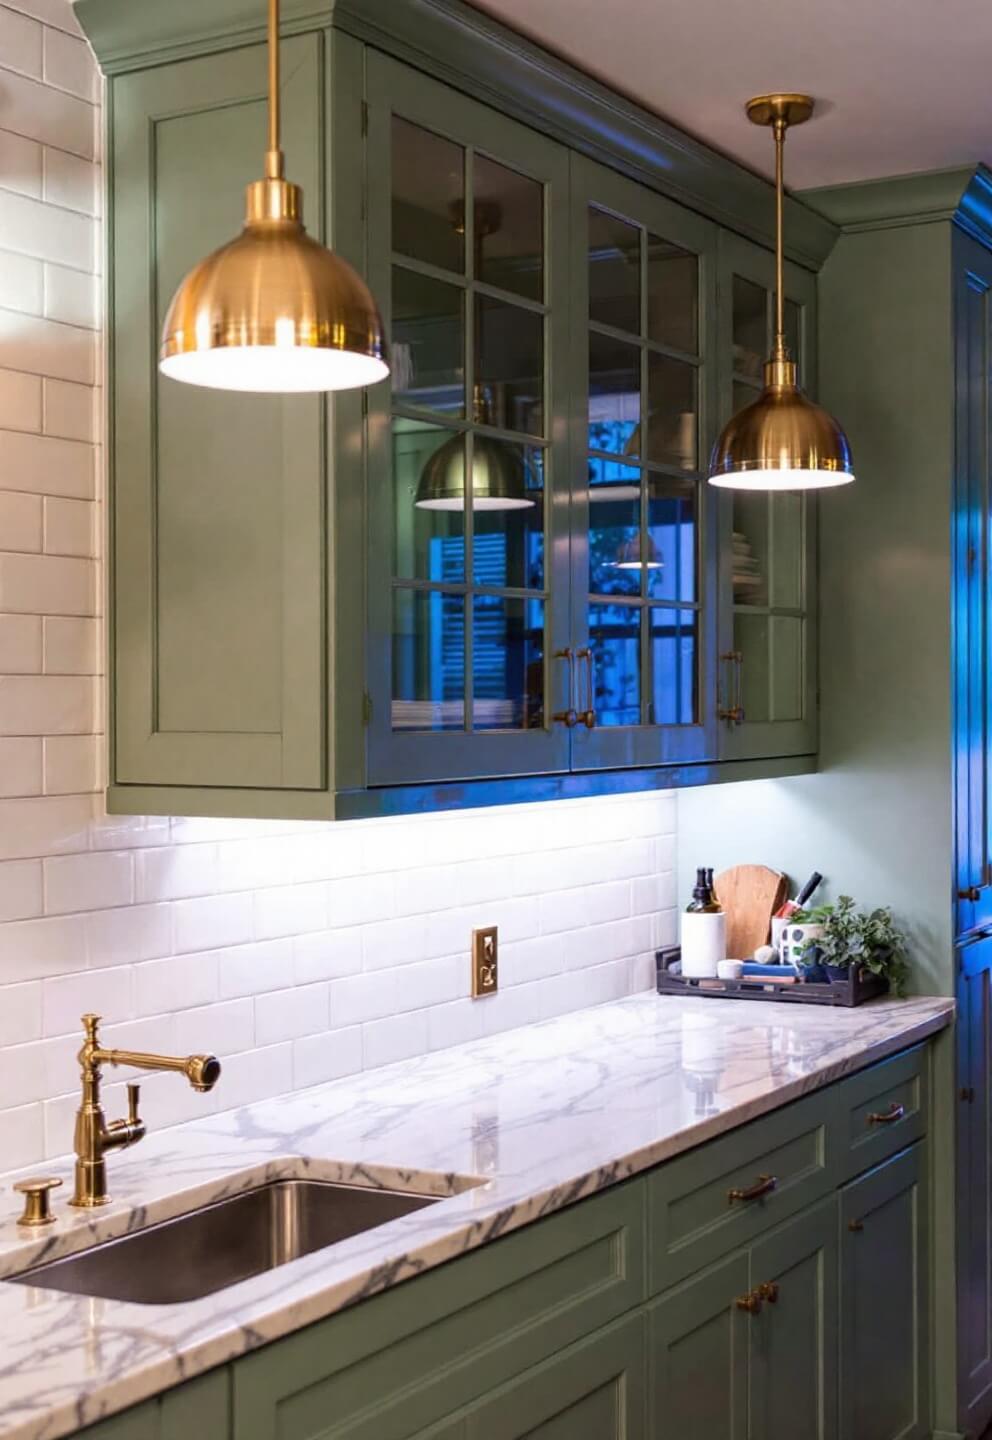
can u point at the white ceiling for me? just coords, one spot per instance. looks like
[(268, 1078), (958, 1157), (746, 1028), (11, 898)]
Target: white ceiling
[(905, 84)]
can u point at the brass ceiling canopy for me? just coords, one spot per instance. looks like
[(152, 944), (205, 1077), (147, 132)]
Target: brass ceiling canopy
[(274, 310), (782, 441)]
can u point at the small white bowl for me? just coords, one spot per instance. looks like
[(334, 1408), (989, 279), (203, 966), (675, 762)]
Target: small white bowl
[(730, 969)]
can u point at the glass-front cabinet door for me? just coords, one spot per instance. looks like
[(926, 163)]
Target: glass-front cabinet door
[(643, 341), (469, 656), (767, 661)]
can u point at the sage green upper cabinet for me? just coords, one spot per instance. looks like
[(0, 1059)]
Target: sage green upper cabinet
[(217, 559), (767, 579), (643, 545), (468, 583)]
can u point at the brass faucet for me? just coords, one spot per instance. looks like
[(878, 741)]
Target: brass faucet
[(94, 1137)]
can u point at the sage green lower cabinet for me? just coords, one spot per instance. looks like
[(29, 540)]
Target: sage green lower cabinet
[(883, 1270), (749, 1289)]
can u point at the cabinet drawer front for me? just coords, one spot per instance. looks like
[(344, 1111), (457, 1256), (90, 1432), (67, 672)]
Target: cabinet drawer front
[(884, 1110), (719, 1197), (403, 1360)]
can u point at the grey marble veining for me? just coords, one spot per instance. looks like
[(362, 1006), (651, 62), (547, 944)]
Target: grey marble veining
[(541, 1116)]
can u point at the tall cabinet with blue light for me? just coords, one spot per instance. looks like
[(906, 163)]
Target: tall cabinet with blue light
[(500, 574)]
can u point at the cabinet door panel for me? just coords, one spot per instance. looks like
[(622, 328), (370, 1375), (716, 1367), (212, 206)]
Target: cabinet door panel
[(643, 542), (217, 497), (767, 667), (793, 1339), (697, 1350), (974, 1208), (884, 1355), (468, 507)]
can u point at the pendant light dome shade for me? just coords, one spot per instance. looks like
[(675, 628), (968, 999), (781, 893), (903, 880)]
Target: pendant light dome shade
[(782, 440), (498, 479), (273, 310)]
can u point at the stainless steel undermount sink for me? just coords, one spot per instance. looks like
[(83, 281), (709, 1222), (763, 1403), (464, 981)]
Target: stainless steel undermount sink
[(208, 1249)]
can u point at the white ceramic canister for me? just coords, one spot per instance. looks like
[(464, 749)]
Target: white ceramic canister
[(704, 943)]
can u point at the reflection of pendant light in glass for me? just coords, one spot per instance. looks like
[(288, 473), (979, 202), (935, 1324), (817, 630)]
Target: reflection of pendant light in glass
[(499, 481), (632, 555), (782, 441), (274, 310)]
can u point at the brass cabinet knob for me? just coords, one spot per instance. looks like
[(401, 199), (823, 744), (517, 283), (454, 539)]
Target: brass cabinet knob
[(751, 1302), (36, 1200), (768, 1290)]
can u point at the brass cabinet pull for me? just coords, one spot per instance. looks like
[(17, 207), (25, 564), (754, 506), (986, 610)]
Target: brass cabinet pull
[(887, 1117), (768, 1290), (764, 1185), (855, 1226), (569, 717), (971, 892), (734, 714), (588, 715), (751, 1302)]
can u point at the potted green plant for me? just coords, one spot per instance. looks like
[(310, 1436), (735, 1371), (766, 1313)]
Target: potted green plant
[(868, 938)]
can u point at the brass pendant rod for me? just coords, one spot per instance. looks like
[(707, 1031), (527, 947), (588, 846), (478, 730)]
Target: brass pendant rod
[(273, 158), (779, 353)]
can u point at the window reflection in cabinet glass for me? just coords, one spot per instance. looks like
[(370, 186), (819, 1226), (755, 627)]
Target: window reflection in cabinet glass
[(428, 196), (428, 660), (508, 543), (615, 641), (614, 528), (673, 666), (511, 364), (428, 345), (750, 327), (509, 220), (672, 412), (614, 395), (671, 571), (428, 544), (614, 272), (673, 286), (507, 663)]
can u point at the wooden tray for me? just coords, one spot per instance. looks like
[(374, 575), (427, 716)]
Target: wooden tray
[(858, 987)]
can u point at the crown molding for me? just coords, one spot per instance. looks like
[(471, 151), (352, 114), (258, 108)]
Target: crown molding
[(960, 196), (469, 50)]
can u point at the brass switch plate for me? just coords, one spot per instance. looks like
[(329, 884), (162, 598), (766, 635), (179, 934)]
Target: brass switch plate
[(485, 962)]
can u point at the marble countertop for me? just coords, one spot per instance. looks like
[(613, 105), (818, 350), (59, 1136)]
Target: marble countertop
[(541, 1116)]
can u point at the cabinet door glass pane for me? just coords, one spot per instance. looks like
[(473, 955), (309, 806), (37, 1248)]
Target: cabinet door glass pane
[(428, 196), (672, 412), (507, 663), (673, 303), (509, 223), (615, 531), (511, 364), (751, 639), (428, 343), (786, 662), (673, 666), (428, 535), (794, 329), (787, 511), (428, 660), (614, 272), (615, 641), (751, 548), (508, 547), (750, 327), (614, 395), (671, 549)]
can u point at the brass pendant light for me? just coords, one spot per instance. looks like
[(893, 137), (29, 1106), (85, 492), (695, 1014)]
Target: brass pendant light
[(782, 441), (274, 310), (499, 479)]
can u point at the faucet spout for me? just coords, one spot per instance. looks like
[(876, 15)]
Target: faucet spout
[(93, 1135)]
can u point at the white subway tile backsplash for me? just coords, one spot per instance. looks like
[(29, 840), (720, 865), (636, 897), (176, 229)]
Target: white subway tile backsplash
[(296, 952), (51, 12)]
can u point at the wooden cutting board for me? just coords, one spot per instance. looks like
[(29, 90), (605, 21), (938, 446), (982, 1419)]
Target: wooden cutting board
[(750, 895)]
